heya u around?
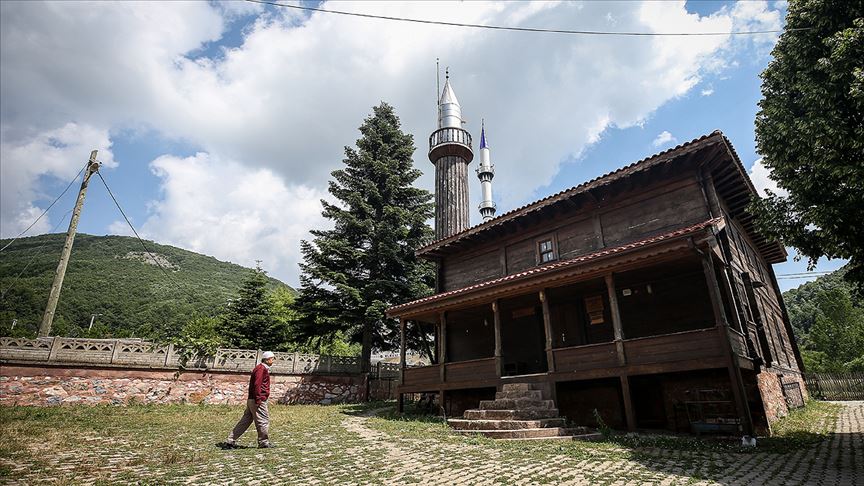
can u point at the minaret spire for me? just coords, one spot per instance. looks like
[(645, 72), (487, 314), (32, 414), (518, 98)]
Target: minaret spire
[(450, 150), (485, 173)]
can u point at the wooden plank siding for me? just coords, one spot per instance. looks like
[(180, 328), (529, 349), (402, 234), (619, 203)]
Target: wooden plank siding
[(422, 376), (704, 343), (472, 370), (634, 214), (587, 357)]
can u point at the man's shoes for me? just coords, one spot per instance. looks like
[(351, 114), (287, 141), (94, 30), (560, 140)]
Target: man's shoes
[(228, 445), (266, 445)]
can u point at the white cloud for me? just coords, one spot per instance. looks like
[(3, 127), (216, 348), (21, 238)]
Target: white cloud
[(664, 138), (57, 154), (289, 98), (707, 92), (761, 177), (224, 209)]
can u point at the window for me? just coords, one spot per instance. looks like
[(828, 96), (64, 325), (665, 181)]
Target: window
[(547, 251)]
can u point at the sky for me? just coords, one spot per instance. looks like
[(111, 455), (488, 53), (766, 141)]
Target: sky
[(218, 124)]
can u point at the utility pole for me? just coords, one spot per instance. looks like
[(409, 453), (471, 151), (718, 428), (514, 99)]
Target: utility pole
[(54, 296)]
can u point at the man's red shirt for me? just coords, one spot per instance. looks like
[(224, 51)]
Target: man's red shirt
[(259, 383)]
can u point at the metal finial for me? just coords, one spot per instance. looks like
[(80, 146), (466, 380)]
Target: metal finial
[(447, 72)]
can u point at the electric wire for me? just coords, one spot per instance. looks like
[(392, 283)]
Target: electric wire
[(33, 257), (140, 240), (48, 208), (522, 29)]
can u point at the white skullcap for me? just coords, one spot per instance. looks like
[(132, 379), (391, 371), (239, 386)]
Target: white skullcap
[(268, 354)]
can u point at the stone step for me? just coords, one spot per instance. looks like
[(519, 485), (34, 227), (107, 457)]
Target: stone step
[(488, 424), (518, 387), (535, 394), (534, 414), (584, 437), (517, 433), (515, 404)]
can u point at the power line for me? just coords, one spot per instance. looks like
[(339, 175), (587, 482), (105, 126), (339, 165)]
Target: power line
[(33, 256), (46, 210), (521, 29), (140, 240)]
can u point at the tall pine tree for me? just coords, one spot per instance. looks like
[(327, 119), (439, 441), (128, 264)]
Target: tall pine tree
[(352, 273)]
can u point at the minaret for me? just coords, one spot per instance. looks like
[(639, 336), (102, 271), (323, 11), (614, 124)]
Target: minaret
[(450, 151), (485, 173)]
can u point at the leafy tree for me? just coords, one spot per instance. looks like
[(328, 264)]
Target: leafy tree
[(249, 321), (810, 132), (352, 273)]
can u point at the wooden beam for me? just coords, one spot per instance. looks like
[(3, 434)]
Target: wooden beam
[(547, 327), (400, 405), (735, 378), (617, 326), (629, 414), (442, 350), (497, 319)]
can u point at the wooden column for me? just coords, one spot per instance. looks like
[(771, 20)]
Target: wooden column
[(442, 351), (617, 326), (629, 414), (735, 378), (547, 327), (497, 319), (400, 398)]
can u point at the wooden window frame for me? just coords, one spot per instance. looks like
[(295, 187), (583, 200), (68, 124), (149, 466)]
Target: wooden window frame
[(551, 238)]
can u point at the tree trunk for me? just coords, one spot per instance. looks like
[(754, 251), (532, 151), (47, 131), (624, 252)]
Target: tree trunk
[(366, 355)]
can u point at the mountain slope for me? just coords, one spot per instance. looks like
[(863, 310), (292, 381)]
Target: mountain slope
[(113, 276)]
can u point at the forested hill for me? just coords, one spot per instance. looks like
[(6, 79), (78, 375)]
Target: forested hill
[(827, 316), (113, 276)]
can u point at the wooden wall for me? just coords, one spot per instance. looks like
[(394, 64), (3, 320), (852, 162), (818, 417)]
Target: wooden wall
[(649, 207)]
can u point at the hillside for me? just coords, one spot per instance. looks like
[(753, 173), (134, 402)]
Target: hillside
[(827, 317), (113, 276)]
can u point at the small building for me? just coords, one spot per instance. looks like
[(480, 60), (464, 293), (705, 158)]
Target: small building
[(645, 295)]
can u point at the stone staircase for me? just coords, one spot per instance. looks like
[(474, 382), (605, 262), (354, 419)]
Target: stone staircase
[(520, 411)]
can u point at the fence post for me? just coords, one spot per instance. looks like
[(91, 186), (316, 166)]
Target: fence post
[(294, 364), (169, 354), (55, 347), (115, 350)]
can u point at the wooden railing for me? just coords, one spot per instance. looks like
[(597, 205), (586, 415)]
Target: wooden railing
[(422, 375), (138, 353), (680, 346), (471, 370), (589, 356)]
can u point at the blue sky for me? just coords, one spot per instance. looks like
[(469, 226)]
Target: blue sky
[(219, 123)]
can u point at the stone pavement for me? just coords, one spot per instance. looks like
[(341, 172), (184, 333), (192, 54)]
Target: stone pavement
[(354, 450)]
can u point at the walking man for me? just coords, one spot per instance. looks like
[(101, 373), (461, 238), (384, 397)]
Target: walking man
[(256, 405)]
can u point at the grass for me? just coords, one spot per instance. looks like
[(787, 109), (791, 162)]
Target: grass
[(177, 443)]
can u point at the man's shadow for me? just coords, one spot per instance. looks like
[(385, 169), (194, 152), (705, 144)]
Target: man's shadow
[(227, 447)]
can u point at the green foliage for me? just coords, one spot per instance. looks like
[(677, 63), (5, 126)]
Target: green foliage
[(352, 273), (248, 321), (810, 131), (199, 337), (828, 320), (107, 275)]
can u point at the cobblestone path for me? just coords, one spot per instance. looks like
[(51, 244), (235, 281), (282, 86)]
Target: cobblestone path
[(357, 449)]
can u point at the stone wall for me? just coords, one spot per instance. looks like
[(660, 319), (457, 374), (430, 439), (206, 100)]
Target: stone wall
[(66, 385), (770, 382)]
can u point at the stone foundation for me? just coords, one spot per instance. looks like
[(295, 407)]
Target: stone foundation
[(770, 382), (46, 386)]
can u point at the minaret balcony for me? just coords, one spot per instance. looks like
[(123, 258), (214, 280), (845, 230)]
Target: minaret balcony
[(487, 205), (450, 141)]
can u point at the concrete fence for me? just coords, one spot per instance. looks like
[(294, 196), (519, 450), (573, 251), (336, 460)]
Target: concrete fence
[(131, 353)]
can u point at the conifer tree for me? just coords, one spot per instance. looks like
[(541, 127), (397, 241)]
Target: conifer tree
[(248, 322), (352, 273)]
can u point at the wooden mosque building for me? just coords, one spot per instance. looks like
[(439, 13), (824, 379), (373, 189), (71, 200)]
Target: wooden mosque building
[(645, 295)]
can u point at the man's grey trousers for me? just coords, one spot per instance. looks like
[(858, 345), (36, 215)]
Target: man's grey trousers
[(259, 414)]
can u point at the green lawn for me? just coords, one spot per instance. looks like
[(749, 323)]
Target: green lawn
[(330, 444)]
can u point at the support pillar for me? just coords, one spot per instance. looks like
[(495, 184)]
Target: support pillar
[(629, 414), (617, 326), (442, 356), (547, 327), (400, 402), (735, 378), (497, 319)]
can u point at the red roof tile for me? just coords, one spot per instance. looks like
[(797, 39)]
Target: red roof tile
[(564, 263)]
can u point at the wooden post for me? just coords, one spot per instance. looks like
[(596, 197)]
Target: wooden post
[(497, 319), (547, 327), (629, 414), (60, 273), (617, 326), (442, 357), (735, 378), (400, 405)]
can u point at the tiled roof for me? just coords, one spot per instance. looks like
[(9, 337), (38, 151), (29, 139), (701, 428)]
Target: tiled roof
[(563, 264), (716, 136)]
